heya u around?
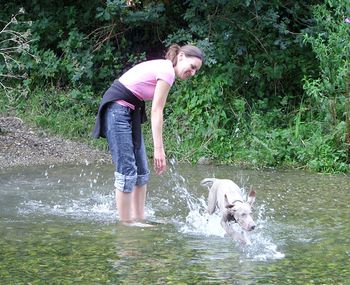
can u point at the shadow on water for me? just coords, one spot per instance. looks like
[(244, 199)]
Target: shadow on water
[(59, 226)]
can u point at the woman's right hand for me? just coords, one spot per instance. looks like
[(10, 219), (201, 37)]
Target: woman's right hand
[(158, 103), (159, 160)]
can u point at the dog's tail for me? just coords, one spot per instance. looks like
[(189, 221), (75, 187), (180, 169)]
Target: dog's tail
[(212, 199), (207, 182)]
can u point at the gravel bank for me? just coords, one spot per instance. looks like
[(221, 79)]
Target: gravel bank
[(22, 145)]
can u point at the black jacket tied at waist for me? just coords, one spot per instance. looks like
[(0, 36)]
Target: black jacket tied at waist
[(118, 91)]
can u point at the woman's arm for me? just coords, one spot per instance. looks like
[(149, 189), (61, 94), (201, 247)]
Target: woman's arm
[(160, 96)]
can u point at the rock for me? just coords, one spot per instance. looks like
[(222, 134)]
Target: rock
[(204, 161)]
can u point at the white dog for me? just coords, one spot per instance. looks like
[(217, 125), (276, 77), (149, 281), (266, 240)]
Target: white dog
[(225, 195)]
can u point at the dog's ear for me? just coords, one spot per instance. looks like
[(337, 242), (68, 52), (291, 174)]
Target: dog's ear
[(251, 197), (207, 182), (227, 204)]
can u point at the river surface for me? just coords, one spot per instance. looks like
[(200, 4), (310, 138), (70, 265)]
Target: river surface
[(58, 225)]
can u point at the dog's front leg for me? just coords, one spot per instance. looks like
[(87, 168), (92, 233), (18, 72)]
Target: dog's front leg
[(231, 232)]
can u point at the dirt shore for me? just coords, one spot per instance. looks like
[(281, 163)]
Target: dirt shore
[(22, 145)]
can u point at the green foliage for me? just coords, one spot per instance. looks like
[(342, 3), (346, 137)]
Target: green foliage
[(84, 43), (274, 89), (329, 92), (194, 117), (259, 43)]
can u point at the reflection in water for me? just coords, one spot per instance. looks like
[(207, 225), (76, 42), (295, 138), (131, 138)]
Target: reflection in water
[(60, 224)]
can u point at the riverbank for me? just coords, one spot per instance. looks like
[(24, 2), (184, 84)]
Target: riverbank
[(22, 145)]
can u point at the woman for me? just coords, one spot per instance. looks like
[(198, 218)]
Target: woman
[(119, 119)]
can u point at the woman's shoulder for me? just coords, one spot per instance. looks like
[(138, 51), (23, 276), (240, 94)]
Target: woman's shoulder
[(156, 62), (155, 66)]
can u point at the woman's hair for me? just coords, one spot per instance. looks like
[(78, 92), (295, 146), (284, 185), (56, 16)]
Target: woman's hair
[(188, 50)]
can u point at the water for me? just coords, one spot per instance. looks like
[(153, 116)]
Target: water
[(58, 225)]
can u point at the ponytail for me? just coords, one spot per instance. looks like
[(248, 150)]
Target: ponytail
[(172, 53), (188, 50)]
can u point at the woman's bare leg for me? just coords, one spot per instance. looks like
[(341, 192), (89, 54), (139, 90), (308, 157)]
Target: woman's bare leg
[(138, 202), (131, 206), (124, 206)]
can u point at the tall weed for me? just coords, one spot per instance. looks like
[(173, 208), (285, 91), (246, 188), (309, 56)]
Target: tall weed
[(329, 92)]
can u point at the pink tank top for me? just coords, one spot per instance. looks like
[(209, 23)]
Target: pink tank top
[(141, 79)]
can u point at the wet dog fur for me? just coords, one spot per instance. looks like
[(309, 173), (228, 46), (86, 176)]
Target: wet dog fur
[(226, 196)]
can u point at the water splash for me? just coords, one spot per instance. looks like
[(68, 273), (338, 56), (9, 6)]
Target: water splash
[(98, 207), (199, 222), (85, 198)]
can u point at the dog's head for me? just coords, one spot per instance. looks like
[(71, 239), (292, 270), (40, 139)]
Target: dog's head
[(242, 211)]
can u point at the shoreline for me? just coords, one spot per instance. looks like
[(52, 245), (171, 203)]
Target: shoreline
[(22, 146)]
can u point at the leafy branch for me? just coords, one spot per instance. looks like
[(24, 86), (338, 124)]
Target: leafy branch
[(14, 43)]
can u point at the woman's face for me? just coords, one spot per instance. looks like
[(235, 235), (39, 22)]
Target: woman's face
[(186, 66)]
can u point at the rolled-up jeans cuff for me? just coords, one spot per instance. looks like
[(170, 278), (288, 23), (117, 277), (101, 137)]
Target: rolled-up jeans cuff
[(127, 184), (142, 179), (124, 183)]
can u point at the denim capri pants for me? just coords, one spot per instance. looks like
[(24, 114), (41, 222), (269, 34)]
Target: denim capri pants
[(131, 165)]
